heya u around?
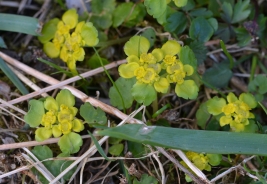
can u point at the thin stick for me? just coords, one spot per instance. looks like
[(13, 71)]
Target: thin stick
[(32, 143), (75, 92)]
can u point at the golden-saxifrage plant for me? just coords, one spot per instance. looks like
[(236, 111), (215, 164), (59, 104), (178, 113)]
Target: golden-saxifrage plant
[(56, 117), (66, 38), (155, 71)]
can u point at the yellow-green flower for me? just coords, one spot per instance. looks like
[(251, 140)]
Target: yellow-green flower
[(58, 117), (158, 68), (69, 38), (236, 112)]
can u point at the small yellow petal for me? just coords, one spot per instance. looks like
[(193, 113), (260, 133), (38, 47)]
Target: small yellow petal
[(162, 85), (51, 50), (189, 70), (127, 70), (225, 120), (70, 18)]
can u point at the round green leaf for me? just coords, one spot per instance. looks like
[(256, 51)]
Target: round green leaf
[(218, 75), (136, 46), (89, 34), (258, 84), (215, 105), (42, 152), (248, 99), (50, 104), (116, 149), (124, 86), (48, 31), (123, 11), (187, 57), (155, 7), (51, 50), (201, 29), (144, 93), (187, 90), (202, 115), (42, 134), (214, 159), (70, 143), (35, 113), (65, 97), (180, 3)]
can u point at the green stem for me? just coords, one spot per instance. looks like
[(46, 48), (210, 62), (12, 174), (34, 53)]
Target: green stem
[(253, 67), (227, 54), (114, 84)]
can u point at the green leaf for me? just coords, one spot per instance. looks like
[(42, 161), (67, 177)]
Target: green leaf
[(144, 93), (243, 36), (145, 179), (200, 29), (122, 12), (13, 77), (187, 57), (262, 30), (258, 84), (137, 15), (35, 113), (176, 23), (218, 75), (202, 115), (212, 142), (70, 143), (58, 166), (201, 12), (124, 86), (200, 52), (116, 149), (42, 153), (93, 116), (224, 32), (103, 6), (227, 12), (214, 23), (241, 11), (214, 159), (136, 46), (180, 3), (215, 105), (55, 66), (48, 31), (98, 146), (2, 43), (189, 6), (187, 90), (93, 62), (102, 21), (65, 97), (20, 24), (155, 8), (150, 35), (137, 149)]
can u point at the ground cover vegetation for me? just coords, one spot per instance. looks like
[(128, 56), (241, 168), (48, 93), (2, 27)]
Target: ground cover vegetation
[(149, 91)]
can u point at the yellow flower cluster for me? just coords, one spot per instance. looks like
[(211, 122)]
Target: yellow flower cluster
[(68, 38), (200, 160), (236, 112), (59, 118), (159, 68)]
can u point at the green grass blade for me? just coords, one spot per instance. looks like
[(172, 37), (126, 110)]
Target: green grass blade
[(61, 70), (194, 140), (98, 147), (19, 23), (227, 54), (15, 80)]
